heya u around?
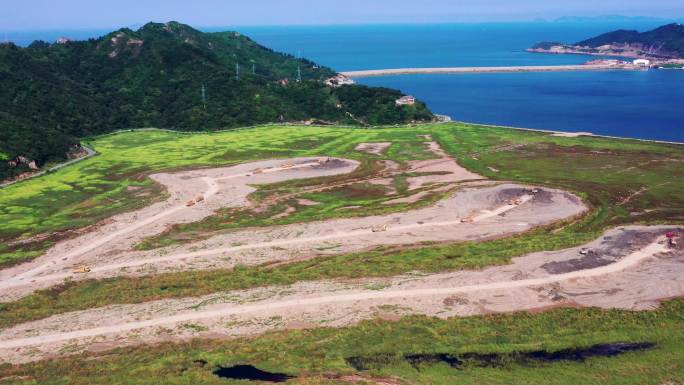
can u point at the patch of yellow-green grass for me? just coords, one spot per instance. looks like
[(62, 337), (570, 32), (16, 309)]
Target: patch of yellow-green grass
[(316, 356), (91, 190)]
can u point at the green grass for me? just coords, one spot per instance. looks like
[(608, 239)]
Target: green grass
[(313, 354), (84, 193), (603, 171)]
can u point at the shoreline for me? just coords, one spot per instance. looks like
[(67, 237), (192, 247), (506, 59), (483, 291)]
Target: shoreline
[(469, 70), (570, 133)]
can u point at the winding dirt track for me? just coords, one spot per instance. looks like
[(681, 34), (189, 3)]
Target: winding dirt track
[(480, 211), (212, 188), (627, 262)]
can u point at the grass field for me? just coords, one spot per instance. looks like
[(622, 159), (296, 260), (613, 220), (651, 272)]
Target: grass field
[(314, 355), (624, 181), (604, 171)]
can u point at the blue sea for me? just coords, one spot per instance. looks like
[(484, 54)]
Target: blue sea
[(644, 104)]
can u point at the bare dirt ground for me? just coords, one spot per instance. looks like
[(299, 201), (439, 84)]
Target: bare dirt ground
[(220, 187), (487, 208), (373, 148), (615, 271), (108, 249)]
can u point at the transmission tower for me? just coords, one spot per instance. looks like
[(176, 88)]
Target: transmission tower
[(299, 73), (204, 96), (237, 71)]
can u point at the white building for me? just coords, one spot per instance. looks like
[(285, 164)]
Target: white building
[(339, 81), (642, 63)]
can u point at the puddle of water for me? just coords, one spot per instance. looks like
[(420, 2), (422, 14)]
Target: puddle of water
[(250, 373), (459, 361)]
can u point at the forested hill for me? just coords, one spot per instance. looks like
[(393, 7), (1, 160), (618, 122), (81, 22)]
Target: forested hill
[(667, 40), (53, 94)]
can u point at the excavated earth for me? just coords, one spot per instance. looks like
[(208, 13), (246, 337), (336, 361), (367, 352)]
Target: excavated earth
[(615, 270)]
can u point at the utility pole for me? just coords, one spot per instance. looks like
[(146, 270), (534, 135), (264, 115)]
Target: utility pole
[(204, 97), (253, 69), (237, 71)]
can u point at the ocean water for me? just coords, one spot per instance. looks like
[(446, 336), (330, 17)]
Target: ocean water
[(644, 104)]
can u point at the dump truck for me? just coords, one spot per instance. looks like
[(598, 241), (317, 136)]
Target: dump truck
[(81, 270), (379, 228), (468, 220)]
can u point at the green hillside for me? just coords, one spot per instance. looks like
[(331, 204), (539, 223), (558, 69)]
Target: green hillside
[(667, 40), (53, 94)]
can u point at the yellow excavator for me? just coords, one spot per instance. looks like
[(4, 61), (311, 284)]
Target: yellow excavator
[(81, 270)]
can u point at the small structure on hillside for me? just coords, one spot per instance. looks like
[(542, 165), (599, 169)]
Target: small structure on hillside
[(642, 63), (63, 40), (22, 160), (339, 80), (407, 100)]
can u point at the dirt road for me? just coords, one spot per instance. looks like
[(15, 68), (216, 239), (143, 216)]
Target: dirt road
[(348, 300), (148, 221)]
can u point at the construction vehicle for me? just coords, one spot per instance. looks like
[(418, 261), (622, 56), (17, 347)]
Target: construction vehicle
[(81, 270), (287, 165), (258, 171), (379, 228), (468, 220), (190, 203), (671, 239), (585, 251)]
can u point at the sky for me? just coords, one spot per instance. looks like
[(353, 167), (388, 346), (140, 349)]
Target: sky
[(90, 14)]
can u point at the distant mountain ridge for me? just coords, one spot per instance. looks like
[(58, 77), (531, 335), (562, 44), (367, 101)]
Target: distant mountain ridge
[(665, 42), (167, 75), (615, 19)]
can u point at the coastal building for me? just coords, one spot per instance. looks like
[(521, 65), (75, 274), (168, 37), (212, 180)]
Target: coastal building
[(406, 101), (642, 63), (339, 80)]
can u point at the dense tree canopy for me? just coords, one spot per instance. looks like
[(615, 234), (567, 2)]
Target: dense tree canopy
[(53, 94)]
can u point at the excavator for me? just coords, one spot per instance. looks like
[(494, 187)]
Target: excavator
[(81, 270)]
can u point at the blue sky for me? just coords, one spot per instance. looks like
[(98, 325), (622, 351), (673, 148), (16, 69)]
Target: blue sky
[(77, 14)]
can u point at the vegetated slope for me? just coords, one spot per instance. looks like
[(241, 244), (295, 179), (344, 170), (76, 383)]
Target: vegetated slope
[(663, 42), (54, 93), (667, 40)]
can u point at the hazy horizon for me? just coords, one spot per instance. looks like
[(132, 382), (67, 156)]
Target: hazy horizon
[(88, 15)]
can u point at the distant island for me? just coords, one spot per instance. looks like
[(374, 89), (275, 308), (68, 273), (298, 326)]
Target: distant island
[(661, 44), (167, 75)]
